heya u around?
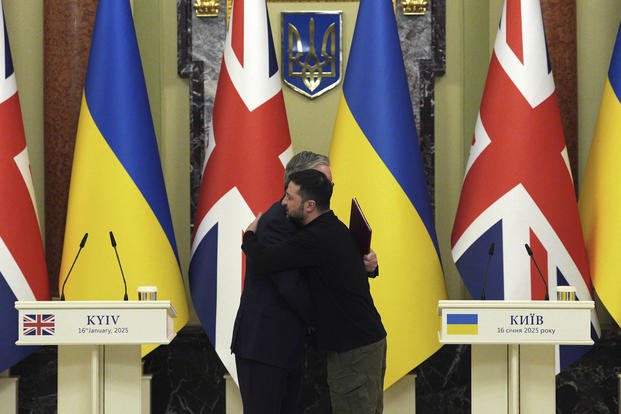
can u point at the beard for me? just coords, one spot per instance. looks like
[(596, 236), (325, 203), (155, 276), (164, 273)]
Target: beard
[(296, 216)]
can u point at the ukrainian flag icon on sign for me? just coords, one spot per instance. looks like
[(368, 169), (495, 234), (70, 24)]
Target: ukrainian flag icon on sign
[(462, 324), (311, 51)]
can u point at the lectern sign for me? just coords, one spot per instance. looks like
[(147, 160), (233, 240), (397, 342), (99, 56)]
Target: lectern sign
[(519, 322), (94, 322)]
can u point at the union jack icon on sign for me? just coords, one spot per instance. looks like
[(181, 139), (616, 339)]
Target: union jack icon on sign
[(39, 324)]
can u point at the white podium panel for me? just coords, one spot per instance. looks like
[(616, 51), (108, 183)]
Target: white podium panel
[(516, 322), (99, 363), (513, 349), (95, 322), (8, 394)]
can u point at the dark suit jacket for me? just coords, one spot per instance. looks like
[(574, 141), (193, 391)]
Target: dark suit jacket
[(327, 254), (274, 311)]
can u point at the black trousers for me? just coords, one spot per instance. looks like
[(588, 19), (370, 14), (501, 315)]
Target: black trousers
[(266, 389)]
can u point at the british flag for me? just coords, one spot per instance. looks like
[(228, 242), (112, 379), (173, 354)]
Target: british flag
[(518, 187), (23, 274), (39, 324), (248, 146)]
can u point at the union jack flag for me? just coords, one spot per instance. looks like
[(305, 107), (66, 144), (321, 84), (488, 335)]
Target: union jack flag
[(23, 274), (39, 324), (518, 187), (248, 146)]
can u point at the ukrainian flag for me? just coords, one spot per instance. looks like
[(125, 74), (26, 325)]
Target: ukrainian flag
[(116, 181), (375, 158), (462, 324), (600, 199)]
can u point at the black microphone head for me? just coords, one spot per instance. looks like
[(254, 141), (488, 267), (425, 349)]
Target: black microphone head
[(491, 249), (528, 250), (112, 240), (83, 242)]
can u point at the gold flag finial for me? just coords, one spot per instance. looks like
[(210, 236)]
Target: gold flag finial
[(415, 7), (207, 8)]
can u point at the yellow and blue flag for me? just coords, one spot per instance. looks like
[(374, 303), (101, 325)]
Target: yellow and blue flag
[(600, 199), (462, 324), (117, 182), (375, 157)]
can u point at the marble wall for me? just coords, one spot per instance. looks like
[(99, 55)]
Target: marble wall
[(68, 27)]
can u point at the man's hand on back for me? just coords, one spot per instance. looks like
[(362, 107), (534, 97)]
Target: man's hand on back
[(253, 226), (370, 261)]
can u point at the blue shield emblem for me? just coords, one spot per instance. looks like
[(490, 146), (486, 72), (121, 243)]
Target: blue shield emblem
[(311, 51)]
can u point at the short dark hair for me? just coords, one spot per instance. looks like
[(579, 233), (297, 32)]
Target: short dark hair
[(314, 185)]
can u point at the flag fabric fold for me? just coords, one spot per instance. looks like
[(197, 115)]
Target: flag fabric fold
[(375, 157), (248, 146), (23, 273), (518, 189), (117, 182), (600, 198)]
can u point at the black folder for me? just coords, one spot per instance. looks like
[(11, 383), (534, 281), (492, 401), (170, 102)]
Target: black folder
[(359, 227)]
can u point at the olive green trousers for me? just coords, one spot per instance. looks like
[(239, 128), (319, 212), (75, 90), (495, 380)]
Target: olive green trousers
[(356, 379)]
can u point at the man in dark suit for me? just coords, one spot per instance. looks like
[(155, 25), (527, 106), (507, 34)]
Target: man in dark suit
[(273, 318), (348, 324)]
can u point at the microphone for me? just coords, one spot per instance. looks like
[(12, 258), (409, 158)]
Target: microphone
[(113, 242), (530, 253), (82, 243), (490, 253)]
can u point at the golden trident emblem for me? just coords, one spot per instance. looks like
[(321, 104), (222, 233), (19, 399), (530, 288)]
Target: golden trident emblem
[(313, 68)]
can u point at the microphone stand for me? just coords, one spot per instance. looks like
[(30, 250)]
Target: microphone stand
[(489, 259), (530, 253), (82, 243), (113, 242)]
